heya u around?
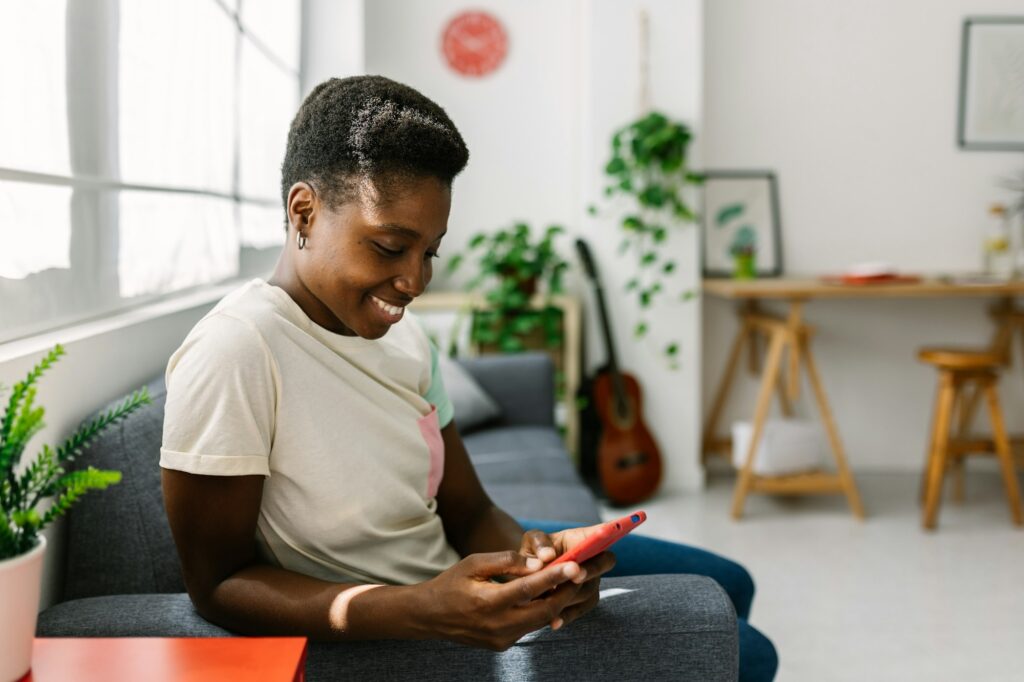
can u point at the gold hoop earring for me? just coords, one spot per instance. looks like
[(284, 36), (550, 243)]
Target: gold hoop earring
[(300, 239)]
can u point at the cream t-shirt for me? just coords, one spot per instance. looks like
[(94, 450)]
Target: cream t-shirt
[(339, 425)]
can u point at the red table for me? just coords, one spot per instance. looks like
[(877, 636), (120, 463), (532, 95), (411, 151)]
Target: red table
[(167, 659)]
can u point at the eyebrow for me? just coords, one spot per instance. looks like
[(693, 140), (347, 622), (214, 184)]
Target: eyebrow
[(403, 230)]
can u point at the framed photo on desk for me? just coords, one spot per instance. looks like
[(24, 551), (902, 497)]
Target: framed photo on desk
[(741, 221), (991, 111)]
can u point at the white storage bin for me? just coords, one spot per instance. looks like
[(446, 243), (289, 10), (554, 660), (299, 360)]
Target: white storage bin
[(787, 446)]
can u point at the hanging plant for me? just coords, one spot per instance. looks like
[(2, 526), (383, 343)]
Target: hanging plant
[(648, 172)]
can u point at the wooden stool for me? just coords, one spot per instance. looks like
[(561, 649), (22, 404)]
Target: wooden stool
[(975, 371)]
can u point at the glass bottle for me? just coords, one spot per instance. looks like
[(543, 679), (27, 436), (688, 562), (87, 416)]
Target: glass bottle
[(998, 255)]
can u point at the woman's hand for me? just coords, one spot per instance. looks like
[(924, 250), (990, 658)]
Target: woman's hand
[(466, 605), (537, 544)]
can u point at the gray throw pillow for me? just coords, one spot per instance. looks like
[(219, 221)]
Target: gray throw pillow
[(473, 407)]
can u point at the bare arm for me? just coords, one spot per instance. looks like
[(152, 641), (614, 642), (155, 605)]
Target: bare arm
[(213, 519), (471, 520)]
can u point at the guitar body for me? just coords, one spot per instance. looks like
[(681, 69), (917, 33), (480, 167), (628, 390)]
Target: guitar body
[(628, 461)]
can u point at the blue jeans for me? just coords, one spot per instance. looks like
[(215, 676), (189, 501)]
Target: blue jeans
[(639, 555)]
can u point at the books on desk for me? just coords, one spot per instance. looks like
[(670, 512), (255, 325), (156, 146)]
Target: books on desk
[(865, 274), (167, 659)]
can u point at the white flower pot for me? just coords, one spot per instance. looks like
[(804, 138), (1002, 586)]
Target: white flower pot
[(20, 581)]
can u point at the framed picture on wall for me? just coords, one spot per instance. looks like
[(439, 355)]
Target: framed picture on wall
[(991, 111), (741, 232)]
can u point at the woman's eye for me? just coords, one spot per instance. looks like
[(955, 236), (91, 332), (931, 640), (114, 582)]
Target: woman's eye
[(386, 250), (432, 254)]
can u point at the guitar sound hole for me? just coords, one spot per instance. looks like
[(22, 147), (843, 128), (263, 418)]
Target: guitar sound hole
[(631, 460)]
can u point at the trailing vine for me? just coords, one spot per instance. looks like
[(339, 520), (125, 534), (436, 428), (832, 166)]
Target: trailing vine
[(648, 170)]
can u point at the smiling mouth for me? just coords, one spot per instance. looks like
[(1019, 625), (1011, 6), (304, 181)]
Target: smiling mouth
[(393, 312)]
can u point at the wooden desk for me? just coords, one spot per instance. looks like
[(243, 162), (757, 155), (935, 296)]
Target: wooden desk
[(805, 289), (790, 333), (168, 659)]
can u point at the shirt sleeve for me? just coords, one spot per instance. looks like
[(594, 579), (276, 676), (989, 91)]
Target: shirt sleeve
[(436, 394), (221, 401)]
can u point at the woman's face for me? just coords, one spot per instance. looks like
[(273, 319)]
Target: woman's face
[(366, 260)]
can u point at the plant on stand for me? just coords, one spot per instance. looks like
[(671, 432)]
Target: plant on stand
[(648, 171), (22, 497), (512, 269), (744, 253)]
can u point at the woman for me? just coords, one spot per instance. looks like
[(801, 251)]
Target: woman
[(313, 475)]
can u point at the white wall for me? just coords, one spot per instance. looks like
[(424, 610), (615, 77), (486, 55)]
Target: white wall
[(538, 130), (675, 36), (854, 105)]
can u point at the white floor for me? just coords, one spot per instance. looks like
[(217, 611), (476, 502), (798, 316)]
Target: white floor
[(878, 600)]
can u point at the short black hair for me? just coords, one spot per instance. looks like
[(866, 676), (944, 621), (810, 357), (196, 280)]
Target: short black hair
[(368, 128)]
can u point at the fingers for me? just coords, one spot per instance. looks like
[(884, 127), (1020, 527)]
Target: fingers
[(599, 565), (537, 543), (534, 585), (497, 564)]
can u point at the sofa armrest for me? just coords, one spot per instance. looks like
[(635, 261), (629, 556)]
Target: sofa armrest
[(127, 615), (523, 386), (679, 627)]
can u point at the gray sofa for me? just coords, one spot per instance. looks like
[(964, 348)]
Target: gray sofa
[(122, 578)]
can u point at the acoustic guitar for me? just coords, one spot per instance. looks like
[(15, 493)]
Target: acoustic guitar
[(628, 461)]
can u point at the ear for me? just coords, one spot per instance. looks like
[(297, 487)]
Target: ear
[(302, 205)]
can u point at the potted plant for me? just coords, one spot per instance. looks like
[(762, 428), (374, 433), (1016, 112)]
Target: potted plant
[(24, 492), (512, 268), (744, 253), (648, 171)]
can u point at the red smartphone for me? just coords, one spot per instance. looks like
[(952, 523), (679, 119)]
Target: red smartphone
[(605, 536)]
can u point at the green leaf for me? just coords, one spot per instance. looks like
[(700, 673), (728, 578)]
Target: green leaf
[(632, 284), (649, 258), (653, 196), (672, 349), (615, 166), (727, 213), (669, 267), (633, 223), (660, 234), (640, 330), (591, 209), (477, 240), (454, 262), (26, 518), (689, 295)]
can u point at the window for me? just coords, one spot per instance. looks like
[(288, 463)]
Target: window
[(141, 157)]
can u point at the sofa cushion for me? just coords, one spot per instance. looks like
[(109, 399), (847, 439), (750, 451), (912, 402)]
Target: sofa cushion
[(514, 439), (473, 406), (520, 454), (570, 503), (118, 540)]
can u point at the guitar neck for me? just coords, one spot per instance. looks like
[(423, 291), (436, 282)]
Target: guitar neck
[(613, 362), (618, 385)]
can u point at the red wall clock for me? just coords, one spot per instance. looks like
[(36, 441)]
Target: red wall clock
[(474, 43)]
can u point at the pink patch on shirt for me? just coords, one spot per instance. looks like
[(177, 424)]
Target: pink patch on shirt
[(431, 430)]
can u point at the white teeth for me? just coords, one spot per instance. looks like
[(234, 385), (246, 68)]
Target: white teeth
[(389, 309)]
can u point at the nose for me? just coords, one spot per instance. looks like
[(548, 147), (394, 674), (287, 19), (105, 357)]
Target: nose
[(415, 276)]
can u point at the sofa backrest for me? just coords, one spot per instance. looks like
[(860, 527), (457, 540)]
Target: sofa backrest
[(118, 540)]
